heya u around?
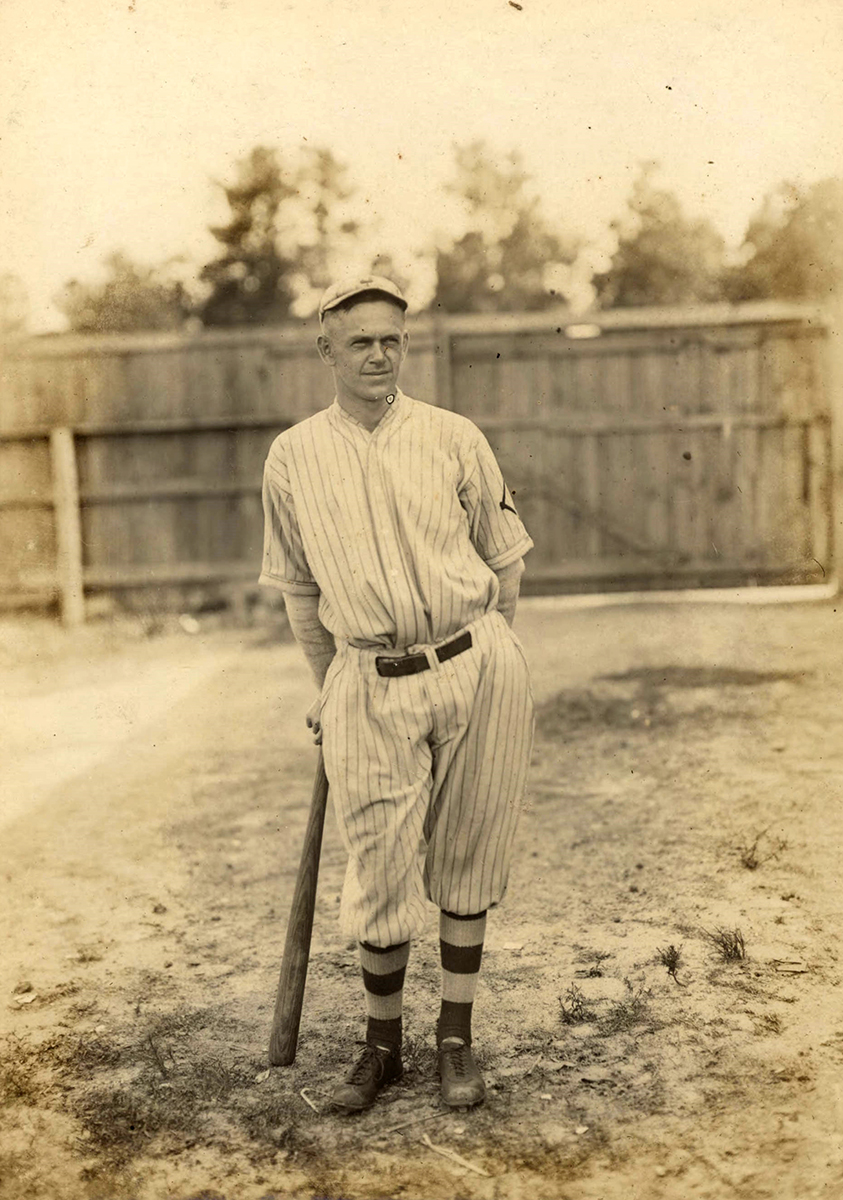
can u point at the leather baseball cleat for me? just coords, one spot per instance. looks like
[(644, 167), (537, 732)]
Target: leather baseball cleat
[(460, 1080), (376, 1067)]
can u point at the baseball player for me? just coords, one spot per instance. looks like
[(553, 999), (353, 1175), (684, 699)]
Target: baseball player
[(397, 545)]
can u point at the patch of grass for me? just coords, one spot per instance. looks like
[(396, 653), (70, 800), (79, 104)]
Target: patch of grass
[(88, 1055), (270, 1120), (179, 1022), (19, 1175), (768, 1023), (624, 1014), (575, 1008), (211, 1081), (582, 708), (670, 957), (17, 1085), (639, 699), (729, 943), (120, 1122), (419, 1056), (273, 1125), (753, 855), (178, 1080)]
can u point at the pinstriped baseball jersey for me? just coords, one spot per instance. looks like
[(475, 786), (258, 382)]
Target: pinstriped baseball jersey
[(398, 530)]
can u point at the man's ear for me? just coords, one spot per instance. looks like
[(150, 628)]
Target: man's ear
[(323, 345), (405, 342)]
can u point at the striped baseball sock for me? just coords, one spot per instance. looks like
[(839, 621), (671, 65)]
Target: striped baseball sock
[(461, 947), (383, 979)]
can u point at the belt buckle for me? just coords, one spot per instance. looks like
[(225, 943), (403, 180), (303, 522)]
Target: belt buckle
[(426, 659), (392, 666)]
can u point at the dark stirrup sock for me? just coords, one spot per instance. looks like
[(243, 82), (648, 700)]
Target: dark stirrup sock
[(383, 979), (461, 947)]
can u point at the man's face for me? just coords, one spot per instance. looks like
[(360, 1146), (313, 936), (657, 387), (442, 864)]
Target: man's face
[(365, 347)]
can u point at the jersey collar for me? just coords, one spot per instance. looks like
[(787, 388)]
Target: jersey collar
[(392, 418)]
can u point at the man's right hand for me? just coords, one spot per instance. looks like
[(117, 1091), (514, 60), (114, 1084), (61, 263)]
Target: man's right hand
[(313, 720)]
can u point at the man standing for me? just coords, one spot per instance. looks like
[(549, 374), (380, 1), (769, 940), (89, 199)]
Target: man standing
[(391, 532)]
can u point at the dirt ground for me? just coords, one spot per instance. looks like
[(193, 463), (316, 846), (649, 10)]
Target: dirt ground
[(659, 1015)]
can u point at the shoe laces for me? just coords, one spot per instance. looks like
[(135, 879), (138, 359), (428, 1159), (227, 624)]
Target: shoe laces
[(459, 1057), (372, 1058)]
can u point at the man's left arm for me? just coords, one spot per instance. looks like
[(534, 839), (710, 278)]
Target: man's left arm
[(496, 529), (509, 581)]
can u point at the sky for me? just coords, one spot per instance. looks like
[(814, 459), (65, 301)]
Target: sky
[(117, 117)]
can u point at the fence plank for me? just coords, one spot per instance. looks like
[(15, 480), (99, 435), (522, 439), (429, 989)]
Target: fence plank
[(68, 526), (444, 357), (819, 460)]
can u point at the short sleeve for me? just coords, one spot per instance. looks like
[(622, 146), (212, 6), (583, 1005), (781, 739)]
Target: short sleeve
[(285, 563), (497, 532)]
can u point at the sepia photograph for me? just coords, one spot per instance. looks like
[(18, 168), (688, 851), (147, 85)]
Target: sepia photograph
[(421, 636)]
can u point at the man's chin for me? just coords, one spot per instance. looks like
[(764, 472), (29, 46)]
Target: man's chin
[(379, 390)]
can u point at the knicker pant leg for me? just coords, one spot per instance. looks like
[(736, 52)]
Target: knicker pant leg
[(480, 774), (378, 762)]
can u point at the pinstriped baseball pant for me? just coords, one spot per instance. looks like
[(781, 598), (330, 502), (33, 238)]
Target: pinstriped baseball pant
[(427, 774)]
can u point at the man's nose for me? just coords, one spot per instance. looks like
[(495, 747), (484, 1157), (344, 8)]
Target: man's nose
[(378, 351)]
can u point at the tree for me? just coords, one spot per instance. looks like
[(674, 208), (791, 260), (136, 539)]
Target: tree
[(509, 258), (793, 246), (662, 256), (289, 224), (133, 297), (249, 278)]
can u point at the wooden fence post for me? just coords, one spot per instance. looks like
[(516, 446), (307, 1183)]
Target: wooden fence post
[(835, 340), (68, 525)]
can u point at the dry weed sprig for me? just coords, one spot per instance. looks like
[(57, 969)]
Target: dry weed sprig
[(751, 854), (575, 1007), (670, 957), (729, 942)]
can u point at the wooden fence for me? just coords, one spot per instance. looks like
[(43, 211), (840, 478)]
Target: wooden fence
[(647, 447)]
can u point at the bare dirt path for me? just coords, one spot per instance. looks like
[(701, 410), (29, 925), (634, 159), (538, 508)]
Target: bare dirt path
[(147, 885), (79, 718)]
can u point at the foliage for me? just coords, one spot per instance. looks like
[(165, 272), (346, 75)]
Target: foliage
[(510, 256), (133, 297), (249, 278), (793, 247), (288, 223), (662, 256)]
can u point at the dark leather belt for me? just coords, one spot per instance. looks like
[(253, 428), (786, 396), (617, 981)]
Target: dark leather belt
[(412, 664)]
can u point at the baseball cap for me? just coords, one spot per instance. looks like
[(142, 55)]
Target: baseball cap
[(337, 293)]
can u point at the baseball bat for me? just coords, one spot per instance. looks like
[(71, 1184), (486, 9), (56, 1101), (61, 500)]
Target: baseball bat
[(288, 1002)]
